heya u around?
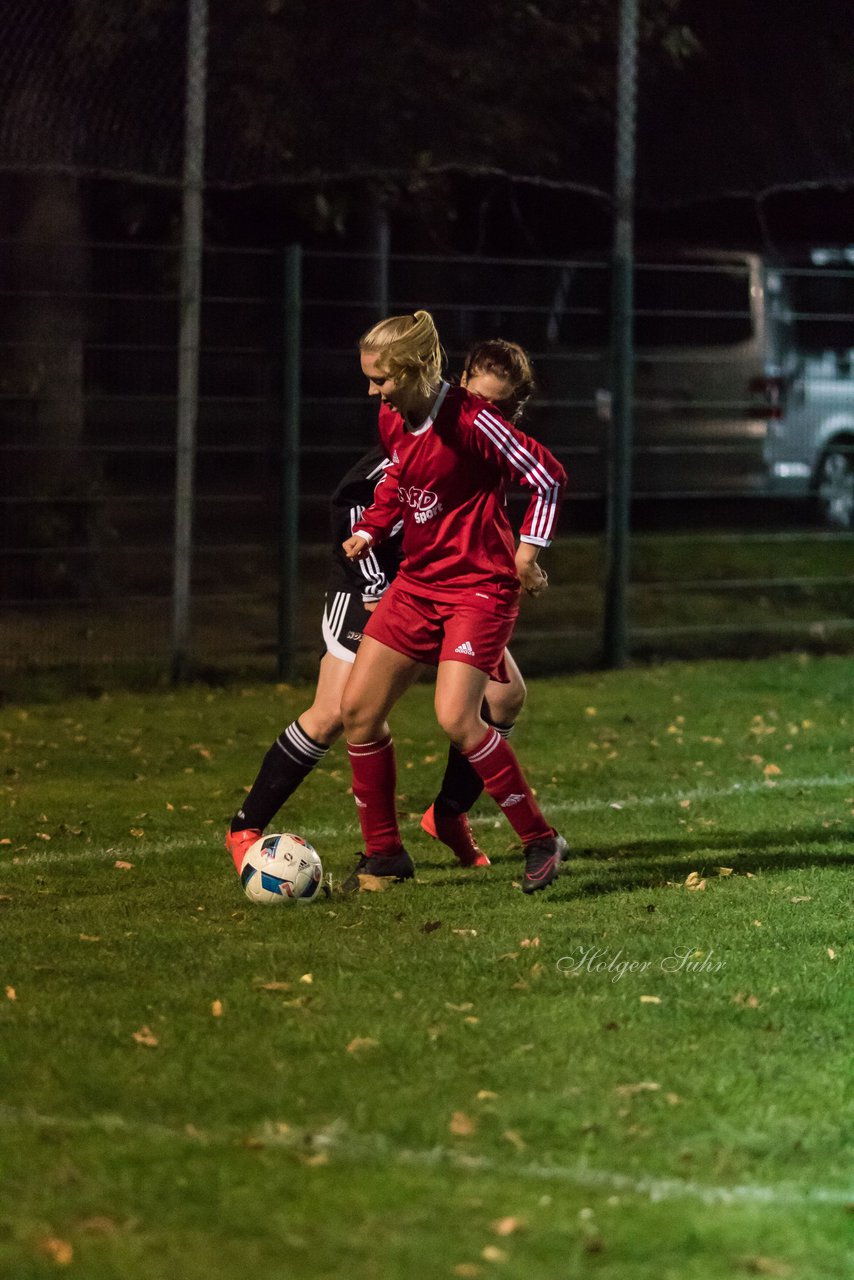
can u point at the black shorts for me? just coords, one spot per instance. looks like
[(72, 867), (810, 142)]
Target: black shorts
[(344, 618)]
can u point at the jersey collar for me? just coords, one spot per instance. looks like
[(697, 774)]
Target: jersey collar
[(434, 411)]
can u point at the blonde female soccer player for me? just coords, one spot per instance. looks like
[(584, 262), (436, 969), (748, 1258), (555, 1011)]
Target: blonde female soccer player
[(454, 601), (499, 371)]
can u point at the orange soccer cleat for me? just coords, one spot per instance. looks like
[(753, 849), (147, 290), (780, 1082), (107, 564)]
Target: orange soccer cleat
[(453, 830), (237, 842)]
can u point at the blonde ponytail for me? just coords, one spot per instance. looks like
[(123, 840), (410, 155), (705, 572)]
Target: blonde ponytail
[(409, 348)]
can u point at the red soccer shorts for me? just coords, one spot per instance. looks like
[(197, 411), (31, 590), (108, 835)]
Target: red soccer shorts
[(475, 631)]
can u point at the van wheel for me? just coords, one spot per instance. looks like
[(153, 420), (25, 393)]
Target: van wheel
[(836, 489)]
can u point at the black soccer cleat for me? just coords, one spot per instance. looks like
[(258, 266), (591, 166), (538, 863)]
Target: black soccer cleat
[(542, 862), (394, 866)]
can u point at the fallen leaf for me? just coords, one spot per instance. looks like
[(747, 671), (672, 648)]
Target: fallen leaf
[(216, 1009), (506, 1226), (123, 866), (137, 833), (460, 1008), (684, 804), (484, 1094), (747, 1002), (470, 1270), (465, 933), (760, 1266), (318, 1158), (374, 884), (724, 871), (90, 937), (307, 978), (831, 953), (11, 994), (273, 986), (491, 1253), (99, 1226), (772, 770), (800, 899), (693, 882), (529, 942), (59, 1251), (461, 1125), (145, 1036), (643, 1086), (471, 1020), (509, 955), (360, 1043), (515, 1139), (650, 999)]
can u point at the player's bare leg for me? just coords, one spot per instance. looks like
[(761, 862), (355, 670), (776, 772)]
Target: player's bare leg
[(505, 701), (322, 720)]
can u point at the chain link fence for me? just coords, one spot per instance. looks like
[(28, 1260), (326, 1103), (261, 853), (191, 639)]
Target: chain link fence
[(743, 457)]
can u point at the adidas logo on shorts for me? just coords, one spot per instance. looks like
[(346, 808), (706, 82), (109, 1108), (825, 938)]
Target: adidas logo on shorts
[(465, 648)]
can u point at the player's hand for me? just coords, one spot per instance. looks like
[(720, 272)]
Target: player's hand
[(370, 605), (534, 580), (356, 548)]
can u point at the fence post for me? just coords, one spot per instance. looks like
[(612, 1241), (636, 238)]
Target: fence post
[(615, 638), (289, 522), (190, 327)]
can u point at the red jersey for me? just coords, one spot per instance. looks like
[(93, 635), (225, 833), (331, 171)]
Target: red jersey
[(447, 480)]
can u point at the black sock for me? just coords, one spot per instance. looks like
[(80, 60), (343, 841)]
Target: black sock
[(462, 784), (290, 759)]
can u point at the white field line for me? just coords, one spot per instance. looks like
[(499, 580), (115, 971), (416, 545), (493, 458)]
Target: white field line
[(143, 848), (339, 1142)]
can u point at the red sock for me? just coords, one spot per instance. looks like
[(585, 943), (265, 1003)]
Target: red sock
[(374, 778), (504, 780)]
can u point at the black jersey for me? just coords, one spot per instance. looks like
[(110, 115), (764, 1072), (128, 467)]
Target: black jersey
[(368, 577)]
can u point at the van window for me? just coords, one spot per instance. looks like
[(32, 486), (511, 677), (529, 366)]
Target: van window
[(692, 306), (680, 306)]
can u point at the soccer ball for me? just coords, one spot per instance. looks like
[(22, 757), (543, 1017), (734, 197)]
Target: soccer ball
[(281, 869)]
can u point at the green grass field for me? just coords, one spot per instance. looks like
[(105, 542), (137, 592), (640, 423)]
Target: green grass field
[(642, 1074)]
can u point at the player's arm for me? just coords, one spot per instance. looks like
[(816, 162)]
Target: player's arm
[(378, 521), (523, 460)]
